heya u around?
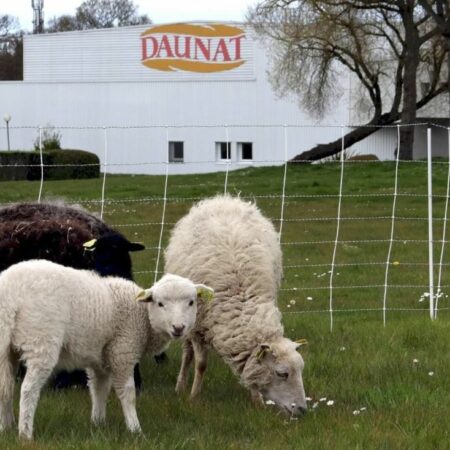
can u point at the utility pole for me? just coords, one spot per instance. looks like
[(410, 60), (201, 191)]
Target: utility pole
[(38, 16)]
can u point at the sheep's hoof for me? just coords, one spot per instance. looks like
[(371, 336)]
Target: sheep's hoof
[(25, 436), (180, 387)]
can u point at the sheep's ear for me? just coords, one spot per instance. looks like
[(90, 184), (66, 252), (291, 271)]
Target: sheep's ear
[(144, 296), (263, 350), (135, 246), (90, 245), (204, 292), (300, 342)]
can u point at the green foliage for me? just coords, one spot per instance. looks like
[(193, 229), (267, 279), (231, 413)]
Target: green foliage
[(58, 165), (50, 138)]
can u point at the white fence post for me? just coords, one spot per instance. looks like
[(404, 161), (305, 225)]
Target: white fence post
[(283, 195), (391, 239), (333, 260), (41, 186), (439, 292), (430, 224), (228, 154), (163, 217), (105, 139)]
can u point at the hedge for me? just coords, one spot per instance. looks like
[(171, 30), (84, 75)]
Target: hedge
[(68, 164)]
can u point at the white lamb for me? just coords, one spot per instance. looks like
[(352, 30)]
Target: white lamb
[(228, 244), (58, 317)]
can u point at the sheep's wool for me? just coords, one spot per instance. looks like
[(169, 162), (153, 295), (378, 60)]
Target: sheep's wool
[(227, 244), (79, 307)]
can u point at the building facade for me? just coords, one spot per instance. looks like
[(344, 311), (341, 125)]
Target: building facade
[(194, 95)]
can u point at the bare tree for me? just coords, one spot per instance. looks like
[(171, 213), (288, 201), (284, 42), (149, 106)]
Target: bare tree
[(11, 65), (439, 11), (99, 14), (62, 23), (108, 13), (8, 25), (316, 41)]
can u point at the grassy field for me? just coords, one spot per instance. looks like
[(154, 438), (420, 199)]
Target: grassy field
[(360, 365)]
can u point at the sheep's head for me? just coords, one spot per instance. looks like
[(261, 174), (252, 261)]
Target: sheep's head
[(110, 254), (172, 304), (275, 370)]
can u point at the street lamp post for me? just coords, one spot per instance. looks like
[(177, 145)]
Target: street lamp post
[(7, 119)]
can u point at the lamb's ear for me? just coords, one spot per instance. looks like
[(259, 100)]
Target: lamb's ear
[(204, 292), (263, 350), (300, 342), (135, 246), (90, 245), (145, 296)]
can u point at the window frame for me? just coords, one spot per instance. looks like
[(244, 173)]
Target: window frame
[(240, 146), (219, 145), (172, 149)]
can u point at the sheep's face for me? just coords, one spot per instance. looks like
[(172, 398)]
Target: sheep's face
[(110, 255), (275, 370), (172, 304)]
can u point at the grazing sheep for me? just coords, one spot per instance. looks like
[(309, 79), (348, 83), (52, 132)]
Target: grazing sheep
[(228, 244), (56, 232), (55, 316)]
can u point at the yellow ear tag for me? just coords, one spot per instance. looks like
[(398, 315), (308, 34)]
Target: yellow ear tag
[(90, 244), (260, 353), (301, 342), (141, 296), (205, 294)]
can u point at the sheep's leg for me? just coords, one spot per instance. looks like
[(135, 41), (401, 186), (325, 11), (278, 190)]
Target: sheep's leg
[(99, 388), (201, 354), (35, 378), (186, 360), (123, 382), (7, 370)]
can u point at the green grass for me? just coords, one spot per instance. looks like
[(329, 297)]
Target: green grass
[(360, 364)]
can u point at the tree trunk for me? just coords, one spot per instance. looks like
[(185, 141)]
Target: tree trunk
[(358, 134), (447, 40), (409, 108), (324, 150)]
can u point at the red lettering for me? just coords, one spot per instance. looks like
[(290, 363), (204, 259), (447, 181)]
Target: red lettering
[(145, 44), (237, 46), (206, 51), (187, 47), (164, 45), (222, 49)]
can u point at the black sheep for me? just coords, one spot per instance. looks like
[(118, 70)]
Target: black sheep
[(57, 232)]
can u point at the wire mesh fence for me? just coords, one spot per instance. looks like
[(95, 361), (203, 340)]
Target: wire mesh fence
[(357, 235)]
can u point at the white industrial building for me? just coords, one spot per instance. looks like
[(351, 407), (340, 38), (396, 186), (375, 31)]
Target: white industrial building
[(195, 95)]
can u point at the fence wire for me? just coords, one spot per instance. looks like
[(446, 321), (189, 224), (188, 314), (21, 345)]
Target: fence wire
[(292, 221)]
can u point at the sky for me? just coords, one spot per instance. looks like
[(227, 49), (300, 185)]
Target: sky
[(159, 11)]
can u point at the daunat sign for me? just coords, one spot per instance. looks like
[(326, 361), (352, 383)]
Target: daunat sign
[(192, 48)]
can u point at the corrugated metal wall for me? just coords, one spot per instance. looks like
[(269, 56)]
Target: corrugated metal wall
[(112, 54), (105, 84)]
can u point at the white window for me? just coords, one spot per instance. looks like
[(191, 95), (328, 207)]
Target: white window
[(245, 151), (223, 151), (176, 151)]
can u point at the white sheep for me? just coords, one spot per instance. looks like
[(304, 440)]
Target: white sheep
[(58, 317), (227, 244)]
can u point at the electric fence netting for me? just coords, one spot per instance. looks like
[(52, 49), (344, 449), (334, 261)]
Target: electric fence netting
[(359, 233)]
